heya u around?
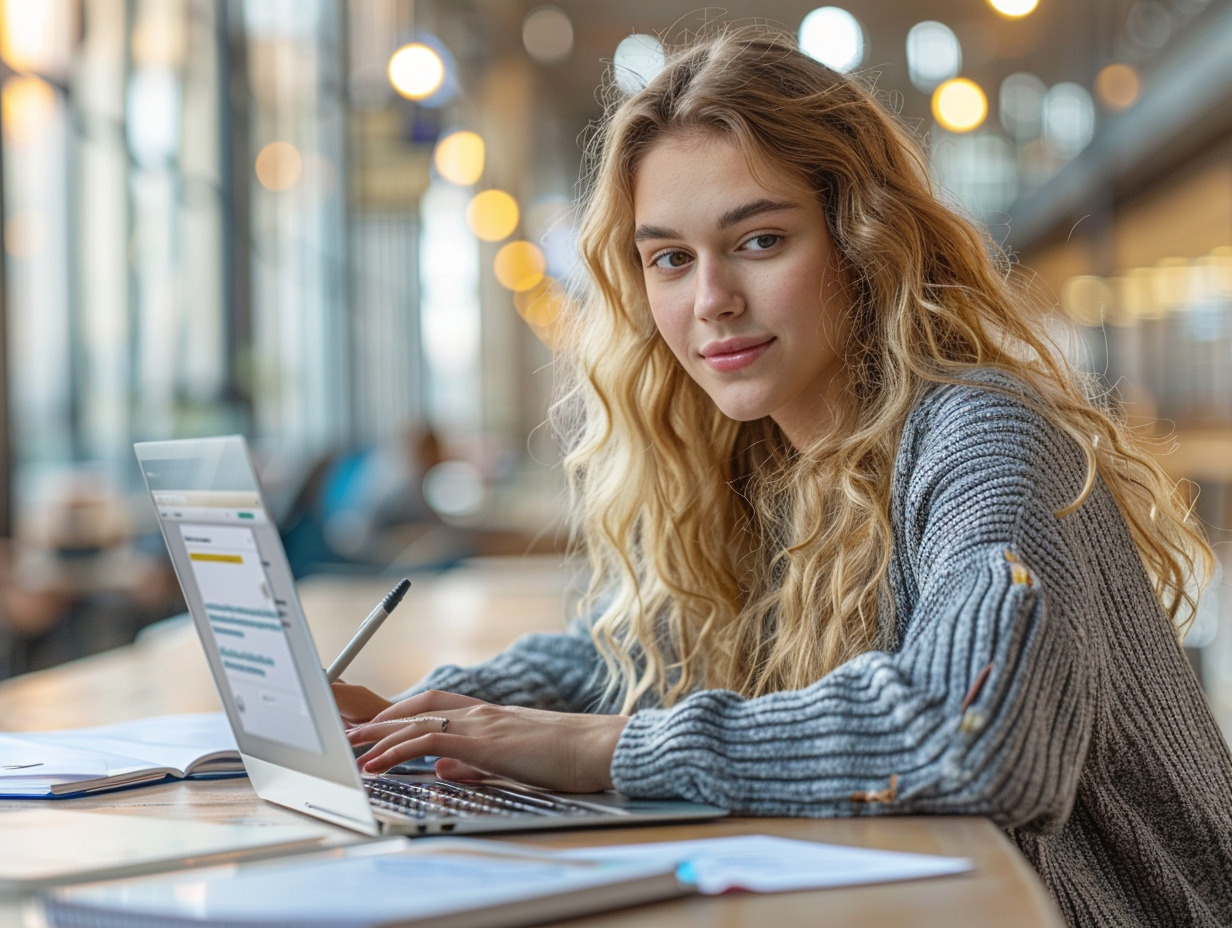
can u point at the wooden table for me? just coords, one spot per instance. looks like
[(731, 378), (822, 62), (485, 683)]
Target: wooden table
[(463, 616)]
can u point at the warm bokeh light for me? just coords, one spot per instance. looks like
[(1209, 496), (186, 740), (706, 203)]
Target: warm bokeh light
[(459, 157), (547, 34), (519, 266), (1087, 299), (279, 165), (27, 30), (542, 304), (1013, 9), (543, 307), (834, 37), (1171, 282), (1136, 295), (959, 105), (492, 215), (1117, 86), (416, 71), (26, 106)]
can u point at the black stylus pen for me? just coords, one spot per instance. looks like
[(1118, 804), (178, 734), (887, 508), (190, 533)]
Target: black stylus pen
[(367, 629)]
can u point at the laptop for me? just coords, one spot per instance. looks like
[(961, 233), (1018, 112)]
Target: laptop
[(236, 579)]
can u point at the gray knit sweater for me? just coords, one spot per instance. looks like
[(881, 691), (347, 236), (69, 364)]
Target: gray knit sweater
[(1034, 680)]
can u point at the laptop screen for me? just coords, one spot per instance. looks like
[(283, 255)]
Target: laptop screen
[(233, 570)]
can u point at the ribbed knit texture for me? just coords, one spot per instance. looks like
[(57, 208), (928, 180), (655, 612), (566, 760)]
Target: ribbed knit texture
[(1035, 680)]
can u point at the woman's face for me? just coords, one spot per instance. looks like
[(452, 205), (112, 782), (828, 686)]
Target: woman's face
[(743, 283)]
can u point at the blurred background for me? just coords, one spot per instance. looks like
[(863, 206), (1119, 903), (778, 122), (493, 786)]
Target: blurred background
[(343, 228)]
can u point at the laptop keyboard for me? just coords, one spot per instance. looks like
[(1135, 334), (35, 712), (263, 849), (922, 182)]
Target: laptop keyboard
[(452, 800)]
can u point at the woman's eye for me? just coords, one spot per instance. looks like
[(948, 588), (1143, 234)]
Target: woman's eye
[(763, 242), (670, 260)]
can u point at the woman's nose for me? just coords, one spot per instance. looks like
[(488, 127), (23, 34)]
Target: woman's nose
[(717, 294)]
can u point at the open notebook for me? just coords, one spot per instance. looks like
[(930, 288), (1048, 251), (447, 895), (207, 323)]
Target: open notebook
[(237, 582), (64, 763)]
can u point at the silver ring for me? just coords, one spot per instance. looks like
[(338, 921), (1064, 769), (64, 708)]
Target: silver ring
[(419, 718)]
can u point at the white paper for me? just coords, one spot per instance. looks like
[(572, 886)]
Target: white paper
[(30, 769), (764, 864), (161, 741), (31, 762)]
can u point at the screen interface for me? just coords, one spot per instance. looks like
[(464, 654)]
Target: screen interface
[(227, 553), (249, 628)]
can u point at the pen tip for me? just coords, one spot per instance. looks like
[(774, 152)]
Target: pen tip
[(396, 594)]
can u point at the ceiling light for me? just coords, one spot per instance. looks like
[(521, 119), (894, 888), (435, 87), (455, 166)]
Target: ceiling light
[(519, 266), (1069, 118), (492, 215), (547, 34), (1117, 86), (834, 37), (638, 58), (959, 105), (278, 166), (933, 55), (1013, 9), (416, 71), (459, 157), (1022, 105)]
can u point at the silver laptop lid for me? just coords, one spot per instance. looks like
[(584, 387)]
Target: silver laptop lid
[(236, 579)]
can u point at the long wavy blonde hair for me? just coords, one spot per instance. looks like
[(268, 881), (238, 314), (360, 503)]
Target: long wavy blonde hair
[(720, 556)]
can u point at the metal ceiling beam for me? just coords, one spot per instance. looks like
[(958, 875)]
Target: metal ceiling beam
[(1184, 108)]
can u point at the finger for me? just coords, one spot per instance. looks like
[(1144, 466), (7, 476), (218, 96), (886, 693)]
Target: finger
[(380, 757), (431, 702), (449, 769), (357, 703), (390, 732), (397, 728), (356, 739), (385, 735)]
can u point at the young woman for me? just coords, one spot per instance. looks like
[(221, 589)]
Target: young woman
[(859, 543)]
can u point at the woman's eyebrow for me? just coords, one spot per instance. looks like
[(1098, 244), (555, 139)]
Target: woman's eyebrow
[(730, 218), (648, 233), (756, 208)]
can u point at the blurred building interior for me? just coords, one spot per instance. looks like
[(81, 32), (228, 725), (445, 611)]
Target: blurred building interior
[(344, 228)]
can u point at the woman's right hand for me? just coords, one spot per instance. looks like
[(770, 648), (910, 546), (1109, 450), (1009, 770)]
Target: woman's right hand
[(357, 704)]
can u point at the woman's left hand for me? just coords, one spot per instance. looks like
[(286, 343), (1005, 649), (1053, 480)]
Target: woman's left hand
[(565, 751)]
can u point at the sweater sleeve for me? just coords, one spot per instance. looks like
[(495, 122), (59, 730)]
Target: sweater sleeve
[(985, 706), (557, 671)]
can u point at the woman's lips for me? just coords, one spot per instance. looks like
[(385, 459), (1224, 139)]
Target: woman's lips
[(741, 357)]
